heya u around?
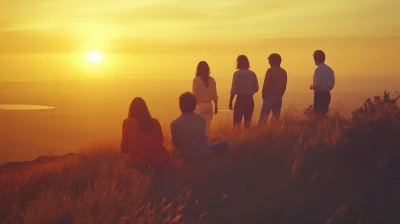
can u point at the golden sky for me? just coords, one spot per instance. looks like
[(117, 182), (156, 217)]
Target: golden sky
[(47, 39)]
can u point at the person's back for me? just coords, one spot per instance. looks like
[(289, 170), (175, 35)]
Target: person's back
[(245, 83), (189, 135), (144, 147), (324, 78), (244, 86), (203, 93), (274, 88), (275, 85)]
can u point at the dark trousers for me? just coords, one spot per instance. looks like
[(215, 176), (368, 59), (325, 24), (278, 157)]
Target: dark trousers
[(218, 147), (322, 99), (215, 148), (244, 107)]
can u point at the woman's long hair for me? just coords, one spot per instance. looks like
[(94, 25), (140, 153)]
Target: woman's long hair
[(139, 112), (203, 70), (242, 62)]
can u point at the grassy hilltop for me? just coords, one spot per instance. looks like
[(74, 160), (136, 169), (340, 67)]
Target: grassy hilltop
[(345, 170)]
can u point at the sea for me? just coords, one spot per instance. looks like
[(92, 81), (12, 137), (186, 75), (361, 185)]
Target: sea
[(39, 118)]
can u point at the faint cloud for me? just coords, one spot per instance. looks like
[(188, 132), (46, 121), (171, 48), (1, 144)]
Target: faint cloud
[(203, 20), (36, 41), (202, 13), (8, 25)]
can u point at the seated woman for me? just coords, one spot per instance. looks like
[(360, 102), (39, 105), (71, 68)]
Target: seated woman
[(142, 138)]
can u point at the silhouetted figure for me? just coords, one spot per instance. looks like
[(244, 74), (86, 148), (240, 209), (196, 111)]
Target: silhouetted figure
[(205, 90), (244, 85), (323, 83), (142, 138), (273, 89), (189, 132)]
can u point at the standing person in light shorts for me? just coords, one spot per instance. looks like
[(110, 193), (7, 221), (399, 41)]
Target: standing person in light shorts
[(205, 90), (273, 89), (244, 85)]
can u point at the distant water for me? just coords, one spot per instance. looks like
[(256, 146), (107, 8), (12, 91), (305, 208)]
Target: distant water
[(24, 107), (56, 118)]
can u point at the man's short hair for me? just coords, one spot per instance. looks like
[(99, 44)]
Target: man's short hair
[(319, 56), (275, 59), (187, 102)]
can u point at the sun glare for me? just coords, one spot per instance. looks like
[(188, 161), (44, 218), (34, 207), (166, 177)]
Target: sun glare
[(94, 57)]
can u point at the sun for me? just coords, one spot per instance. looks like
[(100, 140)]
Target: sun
[(94, 57)]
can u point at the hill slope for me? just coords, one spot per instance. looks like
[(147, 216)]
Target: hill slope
[(338, 171)]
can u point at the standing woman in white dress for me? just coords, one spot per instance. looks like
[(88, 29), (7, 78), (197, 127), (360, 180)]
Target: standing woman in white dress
[(205, 90)]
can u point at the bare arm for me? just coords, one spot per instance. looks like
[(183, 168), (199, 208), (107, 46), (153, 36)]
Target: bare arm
[(315, 80), (174, 136), (230, 101), (215, 92), (266, 82), (194, 87), (284, 88), (233, 91), (215, 97), (233, 87), (256, 87)]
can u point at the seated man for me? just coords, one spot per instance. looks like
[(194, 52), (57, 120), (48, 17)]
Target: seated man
[(189, 131)]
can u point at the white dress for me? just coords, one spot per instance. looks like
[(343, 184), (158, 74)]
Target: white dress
[(205, 95)]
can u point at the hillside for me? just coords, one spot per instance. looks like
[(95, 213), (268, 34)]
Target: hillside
[(343, 170)]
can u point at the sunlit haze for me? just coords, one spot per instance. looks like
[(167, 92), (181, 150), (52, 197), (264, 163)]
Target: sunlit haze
[(199, 111), (88, 59), (43, 40)]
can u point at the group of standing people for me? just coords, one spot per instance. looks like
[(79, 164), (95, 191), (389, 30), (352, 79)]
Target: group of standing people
[(142, 136), (245, 85)]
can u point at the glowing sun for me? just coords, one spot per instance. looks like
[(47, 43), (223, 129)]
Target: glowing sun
[(94, 57)]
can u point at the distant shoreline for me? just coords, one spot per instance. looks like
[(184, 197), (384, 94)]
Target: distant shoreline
[(37, 161)]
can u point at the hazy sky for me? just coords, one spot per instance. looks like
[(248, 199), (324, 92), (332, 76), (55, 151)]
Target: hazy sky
[(48, 39)]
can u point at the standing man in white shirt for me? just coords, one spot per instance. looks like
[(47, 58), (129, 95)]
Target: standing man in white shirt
[(323, 83)]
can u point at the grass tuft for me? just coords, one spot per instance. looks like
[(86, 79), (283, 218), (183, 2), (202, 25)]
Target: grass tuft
[(341, 170)]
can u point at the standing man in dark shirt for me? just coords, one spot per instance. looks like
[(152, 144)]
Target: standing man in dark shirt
[(273, 89)]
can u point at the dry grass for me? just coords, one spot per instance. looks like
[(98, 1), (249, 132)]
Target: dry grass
[(338, 171)]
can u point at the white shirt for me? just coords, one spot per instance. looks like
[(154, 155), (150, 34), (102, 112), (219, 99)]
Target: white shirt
[(203, 93), (324, 78), (189, 135), (244, 83)]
